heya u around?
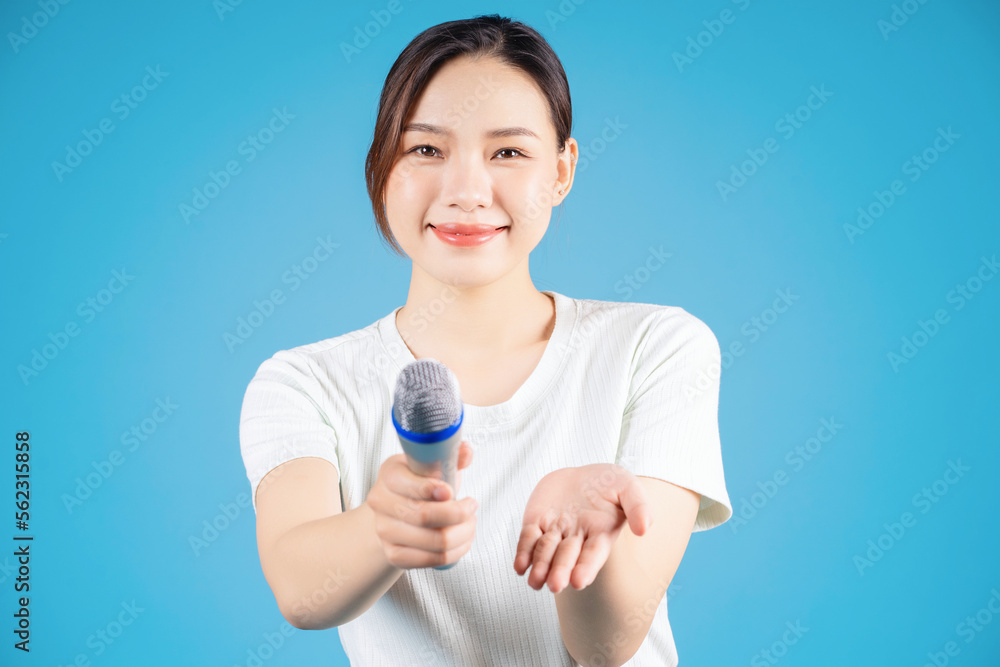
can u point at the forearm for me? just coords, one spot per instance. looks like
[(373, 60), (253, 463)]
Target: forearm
[(606, 622), (331, 570)]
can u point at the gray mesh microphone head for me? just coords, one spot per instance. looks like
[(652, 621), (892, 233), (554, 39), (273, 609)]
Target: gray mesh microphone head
[(426, 398)]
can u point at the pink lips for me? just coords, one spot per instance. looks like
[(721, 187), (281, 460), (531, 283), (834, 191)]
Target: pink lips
[(457, 234)]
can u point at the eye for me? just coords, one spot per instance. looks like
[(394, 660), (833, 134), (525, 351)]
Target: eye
[(418, 149), (514, 150)]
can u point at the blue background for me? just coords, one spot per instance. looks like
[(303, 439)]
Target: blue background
[(791, 558)]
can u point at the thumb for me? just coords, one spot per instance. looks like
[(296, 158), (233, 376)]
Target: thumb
[(464, 454), (637, 510)]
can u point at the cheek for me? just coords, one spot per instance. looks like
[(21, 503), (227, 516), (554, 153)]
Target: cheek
[(528, 198), (406, 192)]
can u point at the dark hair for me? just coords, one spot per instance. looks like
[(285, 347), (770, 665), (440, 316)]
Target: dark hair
[(513, 42)]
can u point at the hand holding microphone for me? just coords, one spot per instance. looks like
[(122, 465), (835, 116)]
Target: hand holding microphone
[(416, 527)]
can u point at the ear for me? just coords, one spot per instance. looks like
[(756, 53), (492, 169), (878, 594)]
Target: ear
[(565, 171)]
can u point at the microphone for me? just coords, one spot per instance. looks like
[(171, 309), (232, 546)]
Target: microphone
[(427, 412)]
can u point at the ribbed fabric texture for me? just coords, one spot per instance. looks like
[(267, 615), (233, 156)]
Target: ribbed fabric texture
[(619, 382)]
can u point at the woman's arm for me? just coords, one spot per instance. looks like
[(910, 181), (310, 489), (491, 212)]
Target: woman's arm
[(325, 566), (606, 622)]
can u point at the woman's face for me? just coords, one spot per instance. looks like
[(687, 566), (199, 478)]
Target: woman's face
[(479, 149)]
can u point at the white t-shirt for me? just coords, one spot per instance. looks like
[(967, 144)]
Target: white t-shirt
[(628, 383)]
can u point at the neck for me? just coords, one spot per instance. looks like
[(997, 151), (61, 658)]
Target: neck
[(447, 321)]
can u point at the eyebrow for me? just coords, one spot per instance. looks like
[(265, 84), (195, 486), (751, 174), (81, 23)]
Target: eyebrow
[(491, 134)]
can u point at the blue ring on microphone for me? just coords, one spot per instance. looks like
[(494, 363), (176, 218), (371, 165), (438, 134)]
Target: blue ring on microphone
[(427, 438)]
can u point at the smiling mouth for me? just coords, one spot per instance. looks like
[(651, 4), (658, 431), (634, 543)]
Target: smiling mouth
[(496, 229)]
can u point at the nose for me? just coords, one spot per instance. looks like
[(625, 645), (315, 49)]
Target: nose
[(467, 183)]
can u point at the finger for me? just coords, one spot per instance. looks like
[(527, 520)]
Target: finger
[(564, 561), (544, 549), (404, 482), (557, 527), (525, 547), (637, 509), (464, 454), (593, 555), (446, 492), (437, 514), (437, 540), (409, 558)]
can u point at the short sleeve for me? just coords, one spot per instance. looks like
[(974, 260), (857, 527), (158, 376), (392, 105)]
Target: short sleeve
[(281, 418), (670, 427)]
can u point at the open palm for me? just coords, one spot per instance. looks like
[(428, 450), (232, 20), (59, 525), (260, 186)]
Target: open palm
[(572, 520)]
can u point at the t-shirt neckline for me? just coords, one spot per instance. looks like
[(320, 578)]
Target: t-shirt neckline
[(533, 388)]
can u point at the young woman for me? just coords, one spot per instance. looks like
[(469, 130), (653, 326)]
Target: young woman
[(594, 422)]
